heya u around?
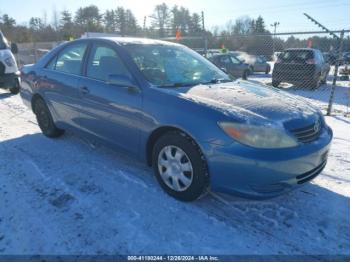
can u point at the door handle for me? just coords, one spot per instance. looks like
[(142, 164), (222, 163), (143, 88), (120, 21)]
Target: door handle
[(84, 90)]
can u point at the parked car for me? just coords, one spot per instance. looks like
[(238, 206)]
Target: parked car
[(301, 66), (231, 64), (330, 58), (172, 108), (256, 63), (9, 73), (346, 57), (261, 65)]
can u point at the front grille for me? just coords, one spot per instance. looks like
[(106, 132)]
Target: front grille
[(311, 174), (309, 133), (2, 69)]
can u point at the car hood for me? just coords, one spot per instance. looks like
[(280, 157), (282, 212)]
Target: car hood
[(247, 101)]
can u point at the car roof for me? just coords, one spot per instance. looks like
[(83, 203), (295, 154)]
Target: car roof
[(301, 49), (134, 40)]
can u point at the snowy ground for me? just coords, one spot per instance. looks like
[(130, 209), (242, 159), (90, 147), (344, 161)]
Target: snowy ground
[(66, 196)]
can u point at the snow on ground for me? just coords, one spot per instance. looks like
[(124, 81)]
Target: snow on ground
[(71, 196)]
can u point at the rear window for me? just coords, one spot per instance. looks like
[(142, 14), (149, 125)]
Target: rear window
[(296, 55)]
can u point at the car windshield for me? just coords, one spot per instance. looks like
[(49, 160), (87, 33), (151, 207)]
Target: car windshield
[(172, 66)]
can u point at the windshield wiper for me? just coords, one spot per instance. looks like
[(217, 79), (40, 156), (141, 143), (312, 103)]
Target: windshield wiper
[(179, 84), (183, 84), (216, 81)]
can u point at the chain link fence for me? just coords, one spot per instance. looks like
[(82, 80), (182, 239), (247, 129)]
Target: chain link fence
[(301, 63), (283, 60)]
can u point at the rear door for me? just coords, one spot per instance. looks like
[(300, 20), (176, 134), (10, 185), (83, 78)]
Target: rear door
[(109, 111), (59, 83)]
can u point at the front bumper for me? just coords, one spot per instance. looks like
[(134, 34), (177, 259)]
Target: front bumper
[(9, 80), (264, 173)]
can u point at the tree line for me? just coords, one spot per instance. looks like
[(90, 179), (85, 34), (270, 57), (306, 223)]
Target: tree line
[(65, 25), (244, 34)]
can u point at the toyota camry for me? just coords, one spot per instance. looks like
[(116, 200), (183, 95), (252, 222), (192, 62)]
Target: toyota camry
[(167, 105)]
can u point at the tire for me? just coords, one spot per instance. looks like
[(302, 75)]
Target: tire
[(251, 70), (44, 119), (15, 89), (324, 80), (275, 83), (245, 75), (314, 84), (267, 70), (176, 158)]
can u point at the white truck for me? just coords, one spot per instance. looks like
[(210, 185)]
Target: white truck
[(9, 73)]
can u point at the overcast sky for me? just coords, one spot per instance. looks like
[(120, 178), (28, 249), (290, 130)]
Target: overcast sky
[(333, 13)]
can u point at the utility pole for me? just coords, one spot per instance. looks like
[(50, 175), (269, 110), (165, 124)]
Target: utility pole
[(339, 54), (144, 25), (204, 36), (274, 25)]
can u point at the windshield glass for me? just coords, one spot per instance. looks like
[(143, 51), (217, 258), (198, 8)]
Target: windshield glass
[(3, 42), (167, 65)]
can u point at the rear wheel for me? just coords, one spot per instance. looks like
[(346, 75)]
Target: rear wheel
[(180, 167), (324, 80), (275, 83), (267, 70), (15, 89), (315, 83), (45, 120)]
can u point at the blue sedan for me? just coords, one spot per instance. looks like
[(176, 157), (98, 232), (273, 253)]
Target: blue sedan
[(167, 105)]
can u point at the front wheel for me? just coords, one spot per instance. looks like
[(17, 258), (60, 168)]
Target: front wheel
[(15, 89), (180, 167), (45, 120), (245, 74), (314, 84)]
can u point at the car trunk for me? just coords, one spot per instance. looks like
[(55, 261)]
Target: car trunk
[(295, 65)]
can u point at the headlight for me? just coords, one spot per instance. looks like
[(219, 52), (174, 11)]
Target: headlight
[(258, 136), (9, 61)]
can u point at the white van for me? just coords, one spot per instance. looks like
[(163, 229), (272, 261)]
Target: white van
[(9, 73)]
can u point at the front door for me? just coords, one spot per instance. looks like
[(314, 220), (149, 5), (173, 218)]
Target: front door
[(109, 111)]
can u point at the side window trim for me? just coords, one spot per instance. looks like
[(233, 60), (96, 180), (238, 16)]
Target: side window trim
[(53, 59), (86, 58)]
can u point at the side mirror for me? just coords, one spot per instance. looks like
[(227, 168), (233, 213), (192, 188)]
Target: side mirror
[(224, 69), (122, 81), (14, 48)]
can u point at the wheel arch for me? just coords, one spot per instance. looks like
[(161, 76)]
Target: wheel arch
[(160, 131)]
